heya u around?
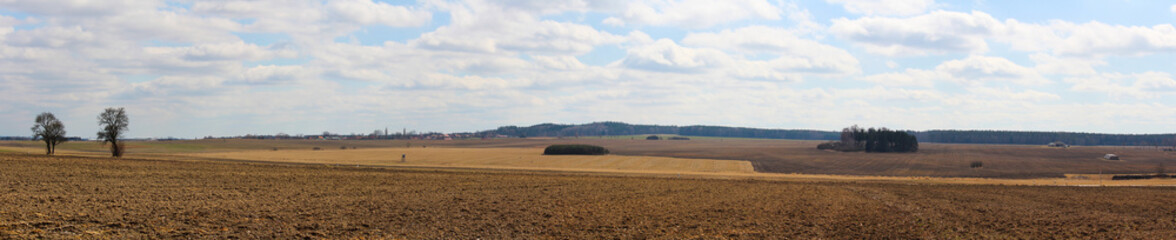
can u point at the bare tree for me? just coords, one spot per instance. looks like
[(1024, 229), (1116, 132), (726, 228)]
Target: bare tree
[(114, 124), (50, 130)]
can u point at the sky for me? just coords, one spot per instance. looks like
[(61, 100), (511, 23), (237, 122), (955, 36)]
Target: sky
[(225, 67)]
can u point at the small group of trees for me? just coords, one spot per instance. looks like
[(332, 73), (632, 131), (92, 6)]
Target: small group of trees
[(50, 130), (113, 121), (574, 149), (855, 138)]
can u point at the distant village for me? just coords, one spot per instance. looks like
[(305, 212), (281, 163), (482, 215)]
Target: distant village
[(375, 135)]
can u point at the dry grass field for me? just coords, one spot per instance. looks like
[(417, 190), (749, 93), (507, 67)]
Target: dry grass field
[(89, 197), (502, 158), (767, 156)]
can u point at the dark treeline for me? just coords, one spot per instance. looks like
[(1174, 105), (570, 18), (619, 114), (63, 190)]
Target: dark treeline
[(716, 131), (617, 128), (938, 136), (855, 139)]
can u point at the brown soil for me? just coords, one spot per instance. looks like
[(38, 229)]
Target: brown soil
[(72, 197)]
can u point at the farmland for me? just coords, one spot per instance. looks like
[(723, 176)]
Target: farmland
[(98, 197), (765, 156), (500, 158)]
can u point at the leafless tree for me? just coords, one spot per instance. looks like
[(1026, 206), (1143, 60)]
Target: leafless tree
[(114, 123), (50, 130)]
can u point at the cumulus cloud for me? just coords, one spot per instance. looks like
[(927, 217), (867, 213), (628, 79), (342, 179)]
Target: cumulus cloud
[(665, 55), (791, 53), (367, 12), (1009, 94), (51, 37), (1092, 39), (256, 62), (495, 29), (1049, 64), (1137, 85), (932, 33), (894, 7), (275, 74), (973, 70), (943, 32), (984, 68), (80, 8), (693, 13), (910, 77), (892, 94)]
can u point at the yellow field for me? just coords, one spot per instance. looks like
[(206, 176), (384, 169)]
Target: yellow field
[(500, 158)]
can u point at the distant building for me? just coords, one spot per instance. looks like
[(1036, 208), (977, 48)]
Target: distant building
[(1111, 157), (1058, 144)]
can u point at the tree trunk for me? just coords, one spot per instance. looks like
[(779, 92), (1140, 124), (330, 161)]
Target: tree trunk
[(115, 150), (48, 148)]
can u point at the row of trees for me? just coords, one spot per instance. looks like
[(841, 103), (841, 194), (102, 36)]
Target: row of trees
[(855, 138), (114, 123)]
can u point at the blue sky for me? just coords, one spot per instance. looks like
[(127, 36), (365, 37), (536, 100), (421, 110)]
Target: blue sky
[(225, 67)]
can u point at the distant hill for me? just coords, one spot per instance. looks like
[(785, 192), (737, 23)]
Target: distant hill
[(939, 136), (618, 128)]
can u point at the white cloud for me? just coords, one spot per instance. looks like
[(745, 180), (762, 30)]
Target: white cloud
[(230, 67), (943, 32), (1048, 64), (1009, 94), (933, 33), (179, 85), (167, 26), (1138, 85), (494, 29), (232, 51), (302, 19), (891, 94), (975, 71), (693, 13), (80, 8), (911, 77), (1093, 38), (1173, 8), (893, 7), (274, 74), (51, 37), (472, 82), (665, 55), (791, 53), (559, 62), (984, 68), (368, 12)]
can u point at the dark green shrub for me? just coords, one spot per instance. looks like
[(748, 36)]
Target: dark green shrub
[(652, 137), (574, 149)]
